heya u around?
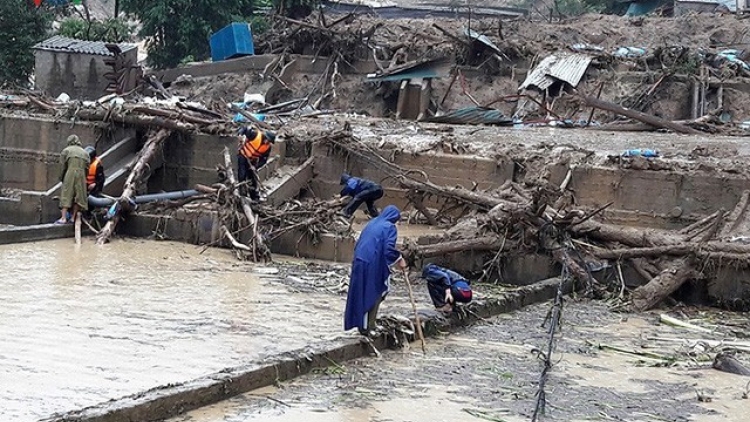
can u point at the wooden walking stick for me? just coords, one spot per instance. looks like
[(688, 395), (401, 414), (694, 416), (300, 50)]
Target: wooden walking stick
[(416, 315), (77, 218)]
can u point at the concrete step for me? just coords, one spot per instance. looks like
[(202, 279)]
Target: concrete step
[(34, 233), (287, 182)]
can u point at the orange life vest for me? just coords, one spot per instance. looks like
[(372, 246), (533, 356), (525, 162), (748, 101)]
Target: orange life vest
[(254, 148), (91, 175)]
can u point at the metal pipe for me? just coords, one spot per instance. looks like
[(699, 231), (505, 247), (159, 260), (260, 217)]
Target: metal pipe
[(99, 202)]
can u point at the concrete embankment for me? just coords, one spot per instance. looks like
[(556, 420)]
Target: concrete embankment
[(170, 400)]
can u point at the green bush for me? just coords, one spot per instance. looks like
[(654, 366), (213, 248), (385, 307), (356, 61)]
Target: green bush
[(178, 29), (109, 30), (21, 26)]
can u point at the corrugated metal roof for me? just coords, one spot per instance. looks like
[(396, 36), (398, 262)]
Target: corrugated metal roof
[(729, 4), (433, 68), (483, 39), (473, 116), (71, 45), (565, 67)]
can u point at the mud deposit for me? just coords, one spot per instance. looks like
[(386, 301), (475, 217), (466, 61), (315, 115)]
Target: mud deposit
[(488, 372), (84, 326)]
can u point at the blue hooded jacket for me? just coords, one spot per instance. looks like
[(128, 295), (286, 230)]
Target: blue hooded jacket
[(354, 185), (374, 253), (442, 276)]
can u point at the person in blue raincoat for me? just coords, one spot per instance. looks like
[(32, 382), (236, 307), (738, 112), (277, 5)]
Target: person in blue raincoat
[(446, 287), (374, 254), (361, 190)]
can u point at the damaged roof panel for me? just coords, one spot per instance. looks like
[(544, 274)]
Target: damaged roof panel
[(568, 68), (473, 116), (72, 45), (433, 68)]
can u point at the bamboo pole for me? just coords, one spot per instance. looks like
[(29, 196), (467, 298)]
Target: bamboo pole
[(416, 315)]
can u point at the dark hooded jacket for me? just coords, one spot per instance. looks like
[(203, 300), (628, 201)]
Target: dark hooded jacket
[(354, 185), (442, 276), (374, 253)]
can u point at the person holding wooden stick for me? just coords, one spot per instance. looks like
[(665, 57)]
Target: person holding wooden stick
[(374, 255), (74, 161), (446, 287)]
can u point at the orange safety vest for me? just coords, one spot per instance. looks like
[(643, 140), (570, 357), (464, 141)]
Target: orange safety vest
[(91, 175), (255, 148)]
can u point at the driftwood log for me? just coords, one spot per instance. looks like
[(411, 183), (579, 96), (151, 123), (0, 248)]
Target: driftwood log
[(637, 115), (154, 141), (258, 248), (727, 363)]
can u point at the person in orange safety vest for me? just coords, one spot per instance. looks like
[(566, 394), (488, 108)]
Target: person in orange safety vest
[(95, 175), (253, 153)]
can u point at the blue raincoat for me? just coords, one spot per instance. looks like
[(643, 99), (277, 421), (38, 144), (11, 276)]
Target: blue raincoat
[(374, 253), (354, 185)]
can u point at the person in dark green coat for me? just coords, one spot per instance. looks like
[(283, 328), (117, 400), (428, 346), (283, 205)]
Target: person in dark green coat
[(74, 161)]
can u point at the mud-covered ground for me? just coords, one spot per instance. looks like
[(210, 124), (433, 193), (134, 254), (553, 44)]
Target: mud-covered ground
[(522, 44), (491, 372), (536, 147)]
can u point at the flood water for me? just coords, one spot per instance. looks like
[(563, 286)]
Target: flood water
[(82, 326), (489, 372)]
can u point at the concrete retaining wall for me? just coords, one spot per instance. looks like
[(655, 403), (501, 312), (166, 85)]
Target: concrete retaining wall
[(442, 169), (654, 192), (193, 159), (35, 233), (30, 147), (167, 401), (256, 64)]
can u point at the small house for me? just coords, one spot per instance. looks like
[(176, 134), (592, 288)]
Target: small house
[(85, 70)]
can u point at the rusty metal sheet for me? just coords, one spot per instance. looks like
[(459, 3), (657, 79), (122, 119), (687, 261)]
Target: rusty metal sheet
[(538, 77), (570, 68), (565, 67)]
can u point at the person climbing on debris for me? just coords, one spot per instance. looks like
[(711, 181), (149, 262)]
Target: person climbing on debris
[(253, 153), (75, 162), (361, 190), (374, 254), (446, 287), (95, 175)]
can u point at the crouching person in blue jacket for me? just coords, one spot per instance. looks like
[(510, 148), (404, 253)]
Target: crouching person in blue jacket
[(446, 287), (361, 190)]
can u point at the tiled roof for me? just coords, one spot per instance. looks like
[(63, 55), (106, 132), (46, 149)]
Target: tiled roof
[(71, 45)]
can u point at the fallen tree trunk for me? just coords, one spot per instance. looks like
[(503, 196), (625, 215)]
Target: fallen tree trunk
[(727, 363), (154, 141), (259, 248), (489, 243), (663, 285), (637, 115), (485, 201), (737, 216), (698, 226), (103, 115), (710, 250), (629, 236)]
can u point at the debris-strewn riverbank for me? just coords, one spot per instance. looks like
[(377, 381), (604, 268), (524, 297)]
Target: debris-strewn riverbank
[(606, 365)]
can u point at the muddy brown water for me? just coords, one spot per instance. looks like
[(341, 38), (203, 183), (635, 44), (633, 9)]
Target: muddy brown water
[(84, 325), (489, 372)]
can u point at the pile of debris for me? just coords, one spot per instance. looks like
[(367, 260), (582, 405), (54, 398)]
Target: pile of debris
[(538, 217)]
